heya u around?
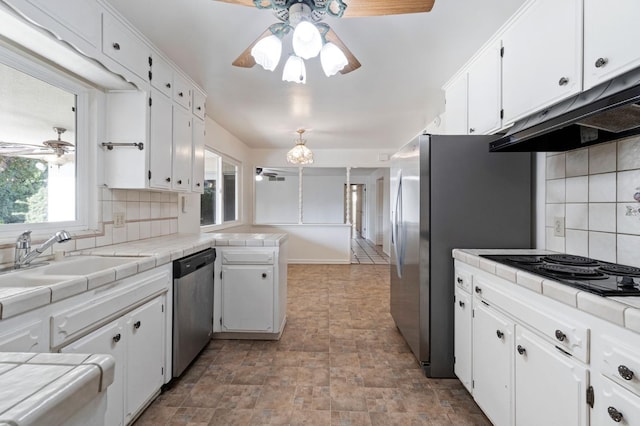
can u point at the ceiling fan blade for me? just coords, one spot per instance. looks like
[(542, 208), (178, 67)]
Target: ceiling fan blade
[(359, 8), (245, 60), (240, 2), (353, 64)]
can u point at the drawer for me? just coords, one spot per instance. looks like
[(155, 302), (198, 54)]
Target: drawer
[(464, 280), (181, 91), (621, 364), (27, 338), (123, 46), (247, 257), (566, 333), (198, 104), (77, 321), (615, 405), (161, 75)]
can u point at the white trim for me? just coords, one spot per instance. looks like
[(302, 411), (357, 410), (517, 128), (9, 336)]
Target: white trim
[(220, 195)]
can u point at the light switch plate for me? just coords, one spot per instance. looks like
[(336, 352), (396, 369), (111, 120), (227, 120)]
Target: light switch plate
[(118, 220), (558, 226)]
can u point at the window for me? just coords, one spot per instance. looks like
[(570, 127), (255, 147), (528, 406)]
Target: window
[(219, 202), (43, 155)]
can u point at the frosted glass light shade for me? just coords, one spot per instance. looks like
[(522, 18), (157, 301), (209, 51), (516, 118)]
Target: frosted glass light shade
[(332, 59), (307, 40), (267, 52), (294, 70), (300, 154)]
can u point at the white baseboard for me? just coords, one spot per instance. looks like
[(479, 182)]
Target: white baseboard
[(319, 261)]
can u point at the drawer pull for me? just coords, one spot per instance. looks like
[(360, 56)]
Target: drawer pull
[(199, 108), (601, 62), (198, 184), (625, 372), (461, 303), (615, 415), (117, 338), (168, 179), (264, 275), (560, 336), (472, 130), (181, 94), (478, 290), (137, 325), (563, 81), (168, 85), (116, 46), (521, 350), (180, 182), (459, 280), (500, 334)]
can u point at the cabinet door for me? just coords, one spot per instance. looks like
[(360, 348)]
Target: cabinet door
[(542, 62), (123, 46), (536, 402), (108, 340), (462, 338), (456, 107), (161, 148), (161, 75), (608, 30), (492, 363), (485, 98), (181, 179), (615, 405), (145, 354), (197, 180), (247, 298), (198, 104), (182, 92)]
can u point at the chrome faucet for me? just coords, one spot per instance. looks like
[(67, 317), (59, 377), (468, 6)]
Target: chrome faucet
[(24, 255)]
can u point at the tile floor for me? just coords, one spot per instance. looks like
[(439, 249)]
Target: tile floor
[(365, 252), (340, 361)]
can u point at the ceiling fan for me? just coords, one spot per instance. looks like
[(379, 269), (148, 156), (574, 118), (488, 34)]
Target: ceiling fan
[(335, 56), (56, 147)]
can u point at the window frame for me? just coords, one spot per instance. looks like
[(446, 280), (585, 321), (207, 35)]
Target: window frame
[(86, 203), (220, 194)]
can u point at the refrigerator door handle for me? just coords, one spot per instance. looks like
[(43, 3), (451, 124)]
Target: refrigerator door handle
[(397, 223)]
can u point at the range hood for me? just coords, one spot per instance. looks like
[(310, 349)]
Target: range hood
[(604, 113)]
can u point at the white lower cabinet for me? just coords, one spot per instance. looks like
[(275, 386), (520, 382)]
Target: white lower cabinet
[(550, 386), (492, 363), (136, 341), (615, 405), (462, 337), (247, 298)]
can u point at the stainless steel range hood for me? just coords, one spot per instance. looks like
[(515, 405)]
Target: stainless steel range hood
[(604, 113)]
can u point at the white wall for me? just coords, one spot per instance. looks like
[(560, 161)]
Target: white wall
[(277, 201), (323, 199)]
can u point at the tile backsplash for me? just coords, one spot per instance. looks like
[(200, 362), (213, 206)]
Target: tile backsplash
[(593, 194), (146, 214)]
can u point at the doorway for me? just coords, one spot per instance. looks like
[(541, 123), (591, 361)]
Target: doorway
[(357, 210), (379, 211)]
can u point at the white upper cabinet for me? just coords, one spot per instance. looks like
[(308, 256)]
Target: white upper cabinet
[(122, 45), (611, 31), (181, 91), (182, 143), (456, 106), (484, 96), (197, 179), (160, 135), (198, 104), (542, 62), (161, 75)]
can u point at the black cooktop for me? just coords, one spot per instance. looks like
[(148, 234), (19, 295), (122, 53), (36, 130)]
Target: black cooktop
[(595, 276)]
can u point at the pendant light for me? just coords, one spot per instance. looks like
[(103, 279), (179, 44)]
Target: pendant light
[(300, 154)]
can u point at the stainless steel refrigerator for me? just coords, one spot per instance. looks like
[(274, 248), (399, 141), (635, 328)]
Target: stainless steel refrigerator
[(448, 192)]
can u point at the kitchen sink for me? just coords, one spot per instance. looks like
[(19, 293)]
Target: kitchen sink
[(81, 265)]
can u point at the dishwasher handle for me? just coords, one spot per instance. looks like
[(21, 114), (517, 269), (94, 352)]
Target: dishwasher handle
[(189, 264)]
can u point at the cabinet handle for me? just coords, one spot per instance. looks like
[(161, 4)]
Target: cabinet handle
[(181, 94), (601, 62), (116, 46), (116, 338), (563, 81), (168, 179), (478, 290), (615, 415), (199, 108), (264, 275), (625, 372), (168, 85), (137, 325), (500, 334), (459, 280), (198, 184), (461, 303), (560, 335), (180, 182), (521, 350), (472, 130)]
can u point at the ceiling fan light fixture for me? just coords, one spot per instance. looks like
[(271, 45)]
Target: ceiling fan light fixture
[(294, 70), (267, 52), (332, 59), (307, 40), (300, 154)]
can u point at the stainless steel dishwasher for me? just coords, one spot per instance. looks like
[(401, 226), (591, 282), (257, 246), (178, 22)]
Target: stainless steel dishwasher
[(192, 307)]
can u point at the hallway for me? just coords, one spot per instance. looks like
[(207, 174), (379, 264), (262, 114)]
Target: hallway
[(340, 361)]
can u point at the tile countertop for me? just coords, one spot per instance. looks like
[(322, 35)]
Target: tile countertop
[(50, 388), (623, 311), (145, 254)]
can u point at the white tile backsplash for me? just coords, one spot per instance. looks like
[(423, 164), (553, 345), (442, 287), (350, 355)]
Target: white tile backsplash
[(595, 200)]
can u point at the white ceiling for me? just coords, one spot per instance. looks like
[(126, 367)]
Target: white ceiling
[(405, 60)]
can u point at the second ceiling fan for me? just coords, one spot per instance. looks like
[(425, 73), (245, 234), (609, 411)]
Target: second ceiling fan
[(312, 37)]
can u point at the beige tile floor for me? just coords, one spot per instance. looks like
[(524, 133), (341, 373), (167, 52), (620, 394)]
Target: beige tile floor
[(366, 253), (340, 361)]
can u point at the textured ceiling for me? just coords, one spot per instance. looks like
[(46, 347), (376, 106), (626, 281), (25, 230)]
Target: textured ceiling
[(405, 60)]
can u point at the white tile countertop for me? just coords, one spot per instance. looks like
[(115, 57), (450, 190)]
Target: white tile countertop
[(623, 311), (144, 255), (40, 389)]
